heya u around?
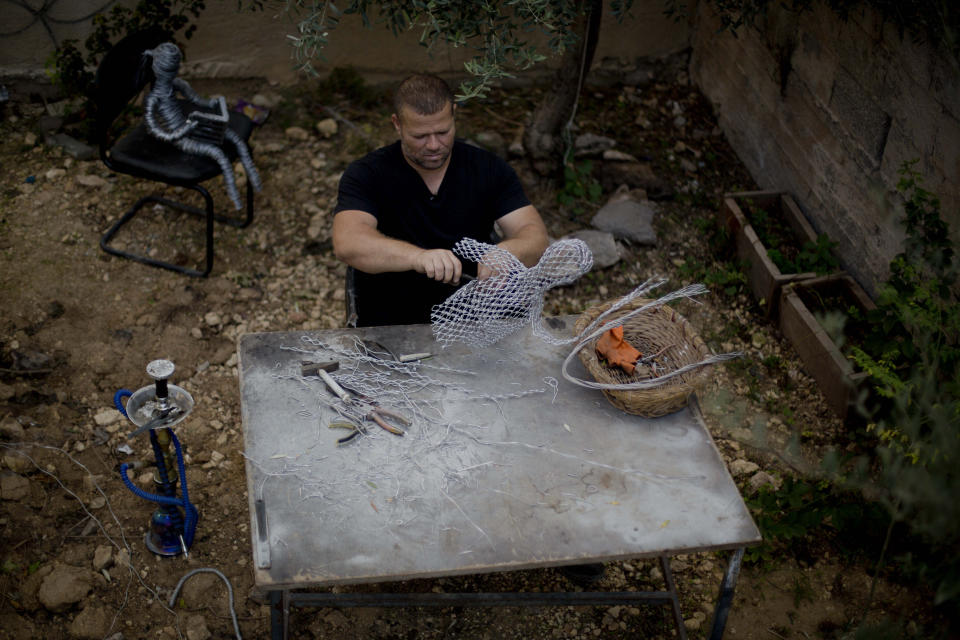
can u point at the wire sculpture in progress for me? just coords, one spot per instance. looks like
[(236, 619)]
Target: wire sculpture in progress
[(483, 311), (198, 132)]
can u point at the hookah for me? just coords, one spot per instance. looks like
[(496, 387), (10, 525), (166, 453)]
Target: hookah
[(154, 409)]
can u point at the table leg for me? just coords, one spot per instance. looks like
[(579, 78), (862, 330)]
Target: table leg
[(725, 599), (279, 614), (674, 597)]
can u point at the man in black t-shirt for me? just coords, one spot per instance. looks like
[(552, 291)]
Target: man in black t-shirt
[(401, 209)]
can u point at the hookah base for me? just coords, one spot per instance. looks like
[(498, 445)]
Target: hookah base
[(168, 551), (165, 536)]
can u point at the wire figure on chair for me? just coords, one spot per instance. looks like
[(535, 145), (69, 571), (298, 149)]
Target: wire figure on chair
[(166, 119)]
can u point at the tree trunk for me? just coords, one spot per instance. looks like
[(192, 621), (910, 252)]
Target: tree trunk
[(543, 138)]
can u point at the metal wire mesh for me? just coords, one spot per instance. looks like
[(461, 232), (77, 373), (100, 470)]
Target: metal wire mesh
[(484, 311)]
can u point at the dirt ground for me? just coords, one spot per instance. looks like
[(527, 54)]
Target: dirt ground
[(77, 325)]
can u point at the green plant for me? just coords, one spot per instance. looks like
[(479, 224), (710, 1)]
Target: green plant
[(728, 277), (786, 516), (505, 36), (723, 273), (579, 187), (804, 513), (913, 357), (818, 256), (782, 247), (500, 35), (346, 82)]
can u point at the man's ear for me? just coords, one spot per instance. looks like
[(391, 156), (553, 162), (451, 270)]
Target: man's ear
[(395, 119)]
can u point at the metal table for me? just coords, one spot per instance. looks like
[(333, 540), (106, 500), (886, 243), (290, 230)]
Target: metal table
[(507, 466)]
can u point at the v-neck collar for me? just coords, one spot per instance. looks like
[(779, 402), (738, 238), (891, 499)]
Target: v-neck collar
[(423, 183)]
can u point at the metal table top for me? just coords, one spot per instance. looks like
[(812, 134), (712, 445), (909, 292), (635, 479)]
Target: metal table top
[(506, 466)]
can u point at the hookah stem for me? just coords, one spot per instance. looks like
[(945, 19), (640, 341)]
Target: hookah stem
[(158, 453)]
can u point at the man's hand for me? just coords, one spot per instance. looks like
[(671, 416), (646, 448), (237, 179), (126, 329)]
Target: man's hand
[(484, 272), (439, 264)]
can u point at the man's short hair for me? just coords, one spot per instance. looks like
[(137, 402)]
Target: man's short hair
[(425, 93)]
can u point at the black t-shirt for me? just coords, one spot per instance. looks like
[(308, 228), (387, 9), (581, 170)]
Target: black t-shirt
[(477, 189)]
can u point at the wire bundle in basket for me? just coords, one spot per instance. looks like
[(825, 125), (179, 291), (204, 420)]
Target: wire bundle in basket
[(667, 343)]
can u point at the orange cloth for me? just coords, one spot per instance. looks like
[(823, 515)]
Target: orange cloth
[(617, 351)]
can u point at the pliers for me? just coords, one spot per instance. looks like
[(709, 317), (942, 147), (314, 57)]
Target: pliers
[(354, 428), (378, 415)]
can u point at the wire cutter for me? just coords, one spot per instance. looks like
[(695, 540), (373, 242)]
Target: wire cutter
[(379, 415), (354, 428), (359, 405), (376, 415)]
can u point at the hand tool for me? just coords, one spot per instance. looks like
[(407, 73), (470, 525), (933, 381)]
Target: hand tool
[(354, 428), (376, 349), (320, 370), (368, 407)]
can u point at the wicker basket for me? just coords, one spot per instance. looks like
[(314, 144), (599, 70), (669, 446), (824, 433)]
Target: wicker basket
[(658, 330)]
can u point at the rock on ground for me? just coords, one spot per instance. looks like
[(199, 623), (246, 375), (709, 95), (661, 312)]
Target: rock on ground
[(602, 245), (10, 429), (196, 628), (743, 467), (64, 587), (90, 624), (628, 219), (13, 486), (635, 175), (102, 557)]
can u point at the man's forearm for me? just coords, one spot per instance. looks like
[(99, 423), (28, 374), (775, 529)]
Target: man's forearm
[(376, 253), (528, 244), (363, 247)]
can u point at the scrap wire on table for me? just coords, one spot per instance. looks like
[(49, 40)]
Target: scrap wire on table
[(392, 383), (432, 457)]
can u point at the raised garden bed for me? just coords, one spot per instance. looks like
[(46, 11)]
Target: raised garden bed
[(810, 318), (774, 238)]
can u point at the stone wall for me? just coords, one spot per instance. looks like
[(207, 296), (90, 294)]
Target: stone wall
[(829, 110), (233, 44)]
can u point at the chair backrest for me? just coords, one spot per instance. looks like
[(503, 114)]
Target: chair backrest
[(122, 75)]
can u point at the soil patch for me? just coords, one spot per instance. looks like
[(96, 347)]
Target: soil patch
[(77, 325)]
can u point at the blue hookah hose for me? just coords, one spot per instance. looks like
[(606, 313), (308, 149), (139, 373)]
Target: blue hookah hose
[(118, 400), (191, 514)]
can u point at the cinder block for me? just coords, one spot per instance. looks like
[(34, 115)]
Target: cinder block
[(862, 119)]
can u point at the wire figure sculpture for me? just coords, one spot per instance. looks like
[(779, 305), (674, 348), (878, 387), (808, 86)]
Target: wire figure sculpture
[(483, 311), (198, 132)]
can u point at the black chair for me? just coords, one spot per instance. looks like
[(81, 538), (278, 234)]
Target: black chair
[(122, 75)]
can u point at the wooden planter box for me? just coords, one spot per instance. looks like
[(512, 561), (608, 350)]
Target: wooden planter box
[(763, 275), (820, 355)]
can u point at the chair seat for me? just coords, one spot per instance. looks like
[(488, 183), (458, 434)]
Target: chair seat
[(139, 153)]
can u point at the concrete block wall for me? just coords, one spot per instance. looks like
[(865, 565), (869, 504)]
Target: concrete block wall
[(243, 44), (828, 110)]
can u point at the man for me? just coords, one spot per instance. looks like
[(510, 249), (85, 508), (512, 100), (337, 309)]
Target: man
[(401, 209)]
